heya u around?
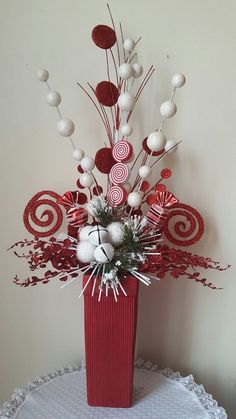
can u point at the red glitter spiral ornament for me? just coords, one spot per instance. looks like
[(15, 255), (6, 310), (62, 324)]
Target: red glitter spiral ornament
[(116, 196), (51, 218), (119, 173), (103, 36), (184, 232)]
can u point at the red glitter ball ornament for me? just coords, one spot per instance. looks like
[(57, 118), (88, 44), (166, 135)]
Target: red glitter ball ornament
[(144, 186), (107, 93), (151, 199), (82, 198), (79, 185), (103, 36), (166, 173), (160, 188), (97, 190), (104, 160), (80, 170), (147, 149)]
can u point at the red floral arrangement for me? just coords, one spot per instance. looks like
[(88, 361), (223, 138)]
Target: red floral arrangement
[(114, 231)]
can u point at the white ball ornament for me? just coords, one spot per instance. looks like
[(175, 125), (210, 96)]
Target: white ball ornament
[(129, 44), (86, 180), (125, 71), (83, 234), (168, 109), (171, 146), (87, 164), (145, 172), (116, 233), (98, 234), (85, 251), (53, 98), (178, 80), (65, 127), (156, 141), (138, 70), (126, 101), (134, 199), (126, 130), (104, 253), (78, 154), (43, 74)]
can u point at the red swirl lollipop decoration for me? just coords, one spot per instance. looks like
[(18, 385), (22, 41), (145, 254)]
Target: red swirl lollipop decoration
[(50, 219), (116, 196), (122, 151), (119, 173), (185, 231)]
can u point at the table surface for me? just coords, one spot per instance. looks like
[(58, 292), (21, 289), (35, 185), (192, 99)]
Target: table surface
[(159, 394)]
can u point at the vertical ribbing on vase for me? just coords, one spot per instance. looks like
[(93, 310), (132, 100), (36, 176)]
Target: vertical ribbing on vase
[(110, 330)]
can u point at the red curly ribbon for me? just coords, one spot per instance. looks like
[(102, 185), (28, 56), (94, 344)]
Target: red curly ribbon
[(47, 219), (188, 231)]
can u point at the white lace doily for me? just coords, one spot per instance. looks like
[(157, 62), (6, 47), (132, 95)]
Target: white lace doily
[(160, 394)]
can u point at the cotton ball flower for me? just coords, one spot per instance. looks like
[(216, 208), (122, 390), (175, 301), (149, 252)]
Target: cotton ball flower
[(126, 130), (125, 71), (156, 141), (168, 109), (53, 98), (178, 80), (65, 127), (171, 146), (85, 251), (43, 74), (116, 233), (138, 70), (83, 234), (129, 44), (78, 154), (86, 180), (98, 235), (126, 101), (87, 164), (145, 172), (134, 199), (104, 253)]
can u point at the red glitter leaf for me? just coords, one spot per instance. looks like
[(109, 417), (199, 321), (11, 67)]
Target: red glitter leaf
[(107, 93), (103, 36)]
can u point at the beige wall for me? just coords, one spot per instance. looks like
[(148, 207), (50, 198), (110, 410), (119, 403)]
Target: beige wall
[(181, 324)]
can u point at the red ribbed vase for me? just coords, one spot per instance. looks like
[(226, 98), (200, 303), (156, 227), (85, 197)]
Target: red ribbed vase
[(110, 332)]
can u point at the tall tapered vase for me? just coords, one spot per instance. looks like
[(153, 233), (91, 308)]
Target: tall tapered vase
[(110, 332)]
